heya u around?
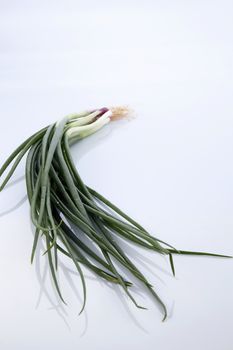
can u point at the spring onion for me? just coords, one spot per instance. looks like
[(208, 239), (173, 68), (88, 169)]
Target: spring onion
[(64, 210)]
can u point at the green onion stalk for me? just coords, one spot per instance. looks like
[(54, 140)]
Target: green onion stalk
[(64, 210)]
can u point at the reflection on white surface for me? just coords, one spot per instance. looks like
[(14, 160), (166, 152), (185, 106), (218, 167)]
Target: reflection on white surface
[(170, 168)]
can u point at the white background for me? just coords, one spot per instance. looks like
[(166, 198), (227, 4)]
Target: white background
[(170, 168)]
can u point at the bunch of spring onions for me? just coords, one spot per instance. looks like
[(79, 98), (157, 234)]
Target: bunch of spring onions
[(64, 209)]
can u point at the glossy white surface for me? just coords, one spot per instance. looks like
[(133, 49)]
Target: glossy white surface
[(170, 168)]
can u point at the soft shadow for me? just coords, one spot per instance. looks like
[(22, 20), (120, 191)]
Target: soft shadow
[(16, 206), (41, 277), (142, 259), (121, 296), (116, 288), (14, 182), (67, 273), (172, 309)]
